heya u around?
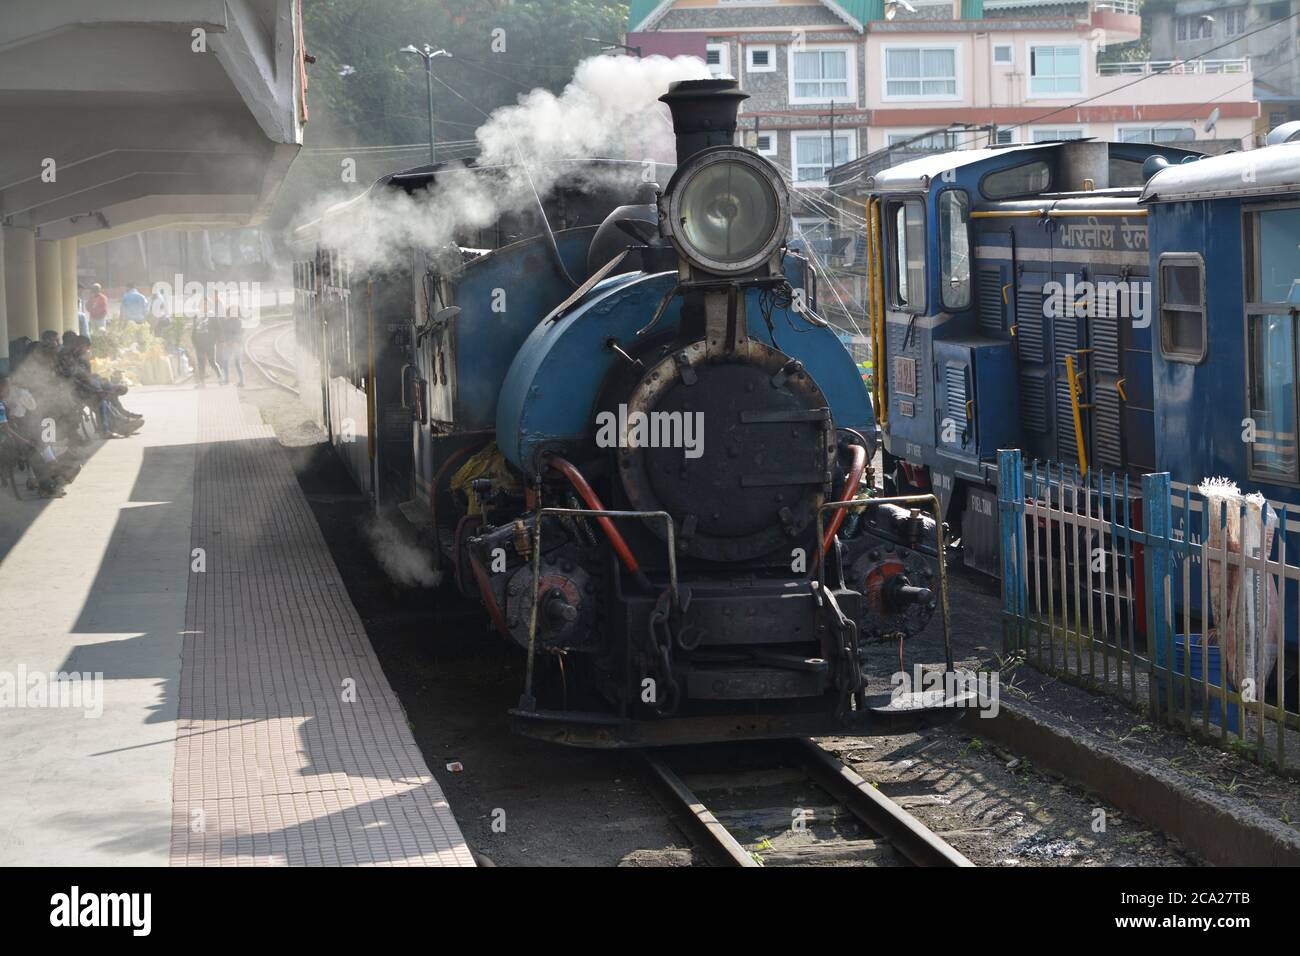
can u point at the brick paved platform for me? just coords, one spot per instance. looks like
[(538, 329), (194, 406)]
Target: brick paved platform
[(246, 718)]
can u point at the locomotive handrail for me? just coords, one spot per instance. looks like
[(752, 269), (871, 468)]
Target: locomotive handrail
[(939, 543), (1053, 213), (527, 701)]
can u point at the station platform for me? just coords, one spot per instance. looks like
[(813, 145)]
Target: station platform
[(242, 717)]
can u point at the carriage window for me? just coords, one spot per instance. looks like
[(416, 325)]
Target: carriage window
[(954, 249), (1182, 307), (1275, 268), (1023, 180), (1272, 395), (1272, 299), (908, 241)]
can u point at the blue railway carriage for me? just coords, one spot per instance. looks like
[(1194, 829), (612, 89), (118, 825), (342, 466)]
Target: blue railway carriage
[(1225, 237), (1121, 307)]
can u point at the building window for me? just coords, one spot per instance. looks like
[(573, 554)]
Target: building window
[(1198, 26), (1234, 21), (907, 263), (815, 154), (1054, 70), (1046, 134), (1002, 54), (765, 144), (920, 73), (821, 74), (1005, 136), (1182, 307), (1279, 11), (760, 59), (1156, 134), (718, 57)]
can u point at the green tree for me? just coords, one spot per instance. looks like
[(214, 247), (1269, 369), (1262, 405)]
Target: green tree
[(364, 93)]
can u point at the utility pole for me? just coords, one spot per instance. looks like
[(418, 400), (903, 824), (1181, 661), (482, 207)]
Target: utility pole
[(832, 134), (427, 53)]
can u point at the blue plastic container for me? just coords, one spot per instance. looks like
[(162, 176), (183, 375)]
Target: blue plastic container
[(1215, 677)]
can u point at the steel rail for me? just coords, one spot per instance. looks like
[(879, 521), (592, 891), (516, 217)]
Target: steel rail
[(264, 366), (910, 838), (703, 825), (920, 845)]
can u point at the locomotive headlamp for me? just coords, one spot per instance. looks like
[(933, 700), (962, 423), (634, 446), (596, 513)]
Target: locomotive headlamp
[(726, 211)]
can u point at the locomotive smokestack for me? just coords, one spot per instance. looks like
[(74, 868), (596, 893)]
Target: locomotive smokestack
[(704, 114)]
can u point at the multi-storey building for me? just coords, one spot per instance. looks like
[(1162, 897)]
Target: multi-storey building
[(834, 81), (1266, 32)]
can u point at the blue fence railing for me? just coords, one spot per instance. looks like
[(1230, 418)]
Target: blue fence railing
[(1179, 600)]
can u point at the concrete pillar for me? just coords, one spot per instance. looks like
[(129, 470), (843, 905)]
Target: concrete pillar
[(20, 282), (49, 285), (68, 269), (4, 313)]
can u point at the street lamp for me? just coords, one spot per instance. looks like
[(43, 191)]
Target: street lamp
[(613, 45), (427, 53)]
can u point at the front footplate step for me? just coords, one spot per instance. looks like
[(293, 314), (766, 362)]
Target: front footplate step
[(906, 712)]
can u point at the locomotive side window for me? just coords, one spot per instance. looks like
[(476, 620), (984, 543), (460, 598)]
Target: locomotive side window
[(1182, 307), (907, 228), (1027, 179), (1272, 296), (954, 249)]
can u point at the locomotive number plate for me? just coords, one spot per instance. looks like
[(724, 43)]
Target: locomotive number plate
[(905, 375)]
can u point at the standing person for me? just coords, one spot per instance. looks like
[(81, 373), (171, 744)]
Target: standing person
[(98, 310), (83, 317), (231, 347), (135, 307), (159, 311), (202, 334)]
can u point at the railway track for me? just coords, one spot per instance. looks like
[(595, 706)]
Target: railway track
[(788, 803), (274, 365)]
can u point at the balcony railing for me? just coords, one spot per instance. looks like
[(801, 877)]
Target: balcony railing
[(1131, 7), (1146, 67)]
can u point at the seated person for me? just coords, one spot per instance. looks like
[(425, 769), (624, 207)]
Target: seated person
[(15, 447)]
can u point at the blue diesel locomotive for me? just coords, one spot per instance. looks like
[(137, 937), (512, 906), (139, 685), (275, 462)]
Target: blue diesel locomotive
[(1123, 307), (654, 355)]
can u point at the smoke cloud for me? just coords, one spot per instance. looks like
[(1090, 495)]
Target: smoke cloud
[(609, 109), (403, 561)]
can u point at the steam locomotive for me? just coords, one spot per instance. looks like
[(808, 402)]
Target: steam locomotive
[(622, 425)]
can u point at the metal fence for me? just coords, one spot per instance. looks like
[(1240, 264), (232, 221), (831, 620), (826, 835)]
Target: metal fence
[(1174, 601)]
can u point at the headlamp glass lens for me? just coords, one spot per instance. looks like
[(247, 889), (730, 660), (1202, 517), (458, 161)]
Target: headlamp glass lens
[(729, 212)]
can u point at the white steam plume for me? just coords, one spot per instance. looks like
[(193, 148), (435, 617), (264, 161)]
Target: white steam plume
[(404, 562), (609, 109)]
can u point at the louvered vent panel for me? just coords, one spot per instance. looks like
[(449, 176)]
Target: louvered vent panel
[(990, 301), (1033, 403), (1066, 447), (1105, 329), (955, 395), (1107, 444), (1029, 324)]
